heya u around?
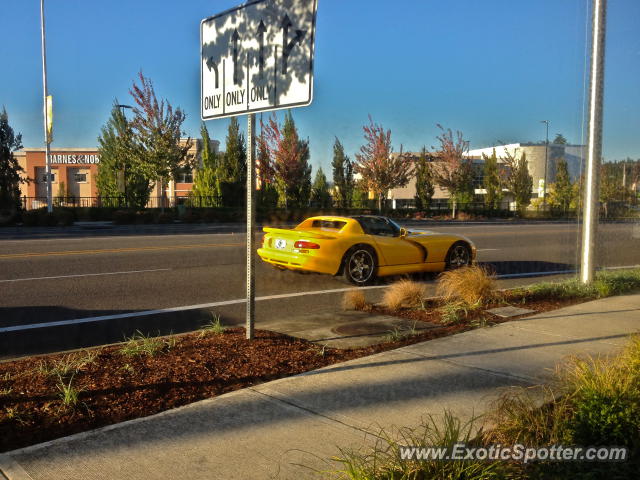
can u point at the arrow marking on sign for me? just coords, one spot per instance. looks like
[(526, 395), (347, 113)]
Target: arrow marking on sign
[(261, 31), (236, 65), (211, 65), (288, 46)]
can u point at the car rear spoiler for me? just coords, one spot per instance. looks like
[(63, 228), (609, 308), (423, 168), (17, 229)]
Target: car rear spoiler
[(298, 233)]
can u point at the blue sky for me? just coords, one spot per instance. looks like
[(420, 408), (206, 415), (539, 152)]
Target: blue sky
[(492, 69)]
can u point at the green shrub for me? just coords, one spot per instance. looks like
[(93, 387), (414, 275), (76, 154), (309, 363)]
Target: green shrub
[(166, 217), (124, 217), (64, 218), (30, 217), (145, 217)]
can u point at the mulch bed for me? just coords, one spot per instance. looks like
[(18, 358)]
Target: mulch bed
[(114, 387)]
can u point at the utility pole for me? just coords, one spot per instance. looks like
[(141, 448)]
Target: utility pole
[(546, 156), (47, 129), (594, 142)]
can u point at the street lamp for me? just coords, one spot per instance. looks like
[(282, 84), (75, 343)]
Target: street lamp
[(546, 154), (124, 180)]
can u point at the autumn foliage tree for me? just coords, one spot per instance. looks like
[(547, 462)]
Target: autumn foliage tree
[(381, 171), (158, 128), (455, 170), (290, 156)]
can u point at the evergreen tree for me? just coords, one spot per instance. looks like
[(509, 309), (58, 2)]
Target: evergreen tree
[(9, 168), (206, 187), (560, 140), (122, 177), (320, 196), (425, 186), (519, 180), (232, 166), (360, 197), (562, 189), (492, 182), (342, 176)]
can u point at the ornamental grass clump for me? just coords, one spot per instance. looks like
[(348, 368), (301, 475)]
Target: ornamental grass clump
[(354, 300), (470, 285), (405, 293)]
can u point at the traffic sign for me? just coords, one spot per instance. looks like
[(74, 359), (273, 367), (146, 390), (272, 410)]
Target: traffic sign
[(257, 57)]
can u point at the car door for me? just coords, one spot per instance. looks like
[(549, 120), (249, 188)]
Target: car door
[(395, 249)]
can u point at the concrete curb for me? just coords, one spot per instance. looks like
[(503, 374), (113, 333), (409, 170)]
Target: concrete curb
[(11, 470)]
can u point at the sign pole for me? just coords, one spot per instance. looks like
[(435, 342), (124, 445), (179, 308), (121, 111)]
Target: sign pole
[(594, 143), (47, 136), (251, 224)]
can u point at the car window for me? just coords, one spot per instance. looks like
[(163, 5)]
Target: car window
[(378, 226), (328, 224)]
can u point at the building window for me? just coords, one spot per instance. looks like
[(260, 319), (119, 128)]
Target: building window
[(80, 178), (44, 178), (185, 175)]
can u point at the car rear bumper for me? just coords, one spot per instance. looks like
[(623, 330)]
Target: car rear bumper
[(298, 261)]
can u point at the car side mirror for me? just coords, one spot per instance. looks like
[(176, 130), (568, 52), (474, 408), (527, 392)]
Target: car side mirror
[(403, 232)]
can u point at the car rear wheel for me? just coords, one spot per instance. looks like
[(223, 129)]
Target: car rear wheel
[(360, 266), (459, 256)]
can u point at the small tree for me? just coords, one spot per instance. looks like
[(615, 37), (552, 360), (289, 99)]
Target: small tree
[(267, 193), (122, 175), (519, 181), (206, 187), (232, 167), (562, 189), (342, 176), (610, 188), (158, 129), (455, 169), (493, 181), (290, 154), (360, 198), (425, 187), (559, 140), (320, 195), (10, 169), (379, 169)]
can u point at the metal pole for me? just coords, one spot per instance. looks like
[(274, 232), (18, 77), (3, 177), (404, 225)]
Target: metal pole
[(594, 142), (546, 156), (251, 224), (46, 114)]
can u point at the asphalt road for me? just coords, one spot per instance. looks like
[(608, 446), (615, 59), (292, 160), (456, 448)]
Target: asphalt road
[(86, 276)]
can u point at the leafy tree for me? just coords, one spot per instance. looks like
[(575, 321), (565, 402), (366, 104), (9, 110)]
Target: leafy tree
[(9, 167), (320, 195), (267, 193), (425, 187), (493, 181), (519, 181), (122, 175), (206, 187), (562, 189), (379, 169), (610, 189), (559, 140), (290, 154), (342, 176), (455, 170), (360, 197), (157, 129)]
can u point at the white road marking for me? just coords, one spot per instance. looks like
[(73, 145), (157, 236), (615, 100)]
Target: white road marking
[(84, 275), (145, 313), (237, 301), (487, 249)]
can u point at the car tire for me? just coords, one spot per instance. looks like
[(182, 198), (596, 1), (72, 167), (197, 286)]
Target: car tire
[(459, 256), (360, 265)]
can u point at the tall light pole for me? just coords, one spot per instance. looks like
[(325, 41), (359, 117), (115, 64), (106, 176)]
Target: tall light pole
[(546, 156), (124, 168), (47, 136), (594, 142)]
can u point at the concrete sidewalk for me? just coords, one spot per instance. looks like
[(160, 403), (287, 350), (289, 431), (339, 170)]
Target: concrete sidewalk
[(270, 430)]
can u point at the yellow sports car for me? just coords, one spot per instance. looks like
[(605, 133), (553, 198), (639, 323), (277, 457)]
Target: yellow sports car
[(363, 247)]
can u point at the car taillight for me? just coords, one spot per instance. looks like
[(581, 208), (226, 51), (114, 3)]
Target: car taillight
[(305, 244)]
